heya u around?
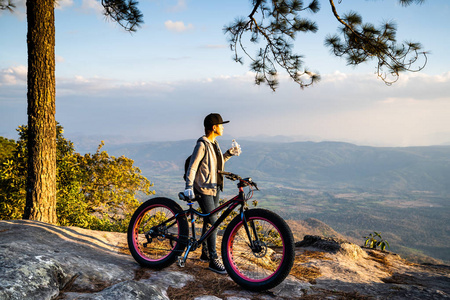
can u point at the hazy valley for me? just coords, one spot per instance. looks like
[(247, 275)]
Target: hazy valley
[(401, 192)]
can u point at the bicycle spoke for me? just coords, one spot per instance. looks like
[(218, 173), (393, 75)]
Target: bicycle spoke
[(261, 261), (155, 237), (267, 260)]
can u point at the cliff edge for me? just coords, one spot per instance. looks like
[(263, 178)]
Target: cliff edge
[(42, 261)]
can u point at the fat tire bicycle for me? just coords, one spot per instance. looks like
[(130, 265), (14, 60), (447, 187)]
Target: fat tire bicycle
[(257, 246)]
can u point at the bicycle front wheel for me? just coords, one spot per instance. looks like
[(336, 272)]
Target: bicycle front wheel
[(155, 236), (262, 258)]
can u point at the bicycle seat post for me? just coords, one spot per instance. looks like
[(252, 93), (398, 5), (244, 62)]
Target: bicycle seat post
[(192, 242), (192, 219)]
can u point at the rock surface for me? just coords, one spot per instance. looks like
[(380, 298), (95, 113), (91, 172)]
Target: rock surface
[(42, 261)]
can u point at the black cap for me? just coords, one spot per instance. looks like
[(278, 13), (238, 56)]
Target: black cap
[(213, 119)]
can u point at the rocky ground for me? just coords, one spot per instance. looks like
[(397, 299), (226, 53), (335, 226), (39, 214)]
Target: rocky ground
[(42, 261)]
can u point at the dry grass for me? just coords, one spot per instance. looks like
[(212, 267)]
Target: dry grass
[(307, 255), (307, 273), (383, 262), (123, 248), (141, 273)]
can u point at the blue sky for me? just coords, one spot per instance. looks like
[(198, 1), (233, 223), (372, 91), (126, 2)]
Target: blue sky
[(160, 82)]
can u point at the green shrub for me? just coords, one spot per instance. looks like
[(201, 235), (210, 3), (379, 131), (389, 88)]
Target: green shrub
[(94, 191), (374, 240)]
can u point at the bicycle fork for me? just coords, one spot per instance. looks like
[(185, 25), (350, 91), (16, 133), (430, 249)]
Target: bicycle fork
[(252, 241)]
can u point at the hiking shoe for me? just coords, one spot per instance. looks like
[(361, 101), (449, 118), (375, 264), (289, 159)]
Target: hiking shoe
[(216, 265), (204, 257)]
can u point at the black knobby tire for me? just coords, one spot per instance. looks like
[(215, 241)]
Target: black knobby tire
[(160, 251), (270, 262)]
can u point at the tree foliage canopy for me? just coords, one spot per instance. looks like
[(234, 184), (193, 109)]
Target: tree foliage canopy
[(95, 191), (277, 24), (274, 24)]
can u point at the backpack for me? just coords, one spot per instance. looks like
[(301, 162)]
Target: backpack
[(188, 161)]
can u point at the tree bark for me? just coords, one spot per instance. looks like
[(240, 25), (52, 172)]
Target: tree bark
[(41, 180)]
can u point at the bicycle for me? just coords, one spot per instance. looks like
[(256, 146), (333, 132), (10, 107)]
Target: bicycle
[(257, 245)]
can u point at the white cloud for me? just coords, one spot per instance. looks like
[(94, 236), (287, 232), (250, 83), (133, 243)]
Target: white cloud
[(180, 6), (355, 108), (95, 87), (59, 59), (177, 26), (92, 5), (62, 4), (13, 75)]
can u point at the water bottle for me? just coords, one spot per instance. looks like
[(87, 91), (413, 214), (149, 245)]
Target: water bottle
[(235, 148)]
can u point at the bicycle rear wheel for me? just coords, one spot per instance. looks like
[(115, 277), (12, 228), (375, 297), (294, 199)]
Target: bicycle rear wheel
[(268, 262), (154, 241)]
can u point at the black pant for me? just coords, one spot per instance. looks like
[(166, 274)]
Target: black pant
[(208, 203)]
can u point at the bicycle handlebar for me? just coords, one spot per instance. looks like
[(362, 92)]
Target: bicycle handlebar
[(231, 176), (234, 177)]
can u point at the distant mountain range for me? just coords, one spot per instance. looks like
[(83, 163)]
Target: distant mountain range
[(322, 165)]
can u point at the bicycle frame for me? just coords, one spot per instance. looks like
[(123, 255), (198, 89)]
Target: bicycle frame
[(193, 242), (258, 248)]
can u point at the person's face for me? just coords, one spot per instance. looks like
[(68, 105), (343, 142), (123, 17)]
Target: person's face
[(218, 129)]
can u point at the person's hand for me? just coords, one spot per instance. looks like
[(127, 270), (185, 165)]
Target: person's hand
[(189, 193), (236, 150)]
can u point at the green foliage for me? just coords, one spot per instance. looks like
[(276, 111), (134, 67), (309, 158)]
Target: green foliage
[(12, 191), (7, 148), (110, 185), (94, 191), (374, 240), (13, 167)]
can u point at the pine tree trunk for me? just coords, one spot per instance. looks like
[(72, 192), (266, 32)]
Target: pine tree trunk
[(41, 181)]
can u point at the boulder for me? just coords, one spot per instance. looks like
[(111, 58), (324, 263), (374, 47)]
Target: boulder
[(41, 261)]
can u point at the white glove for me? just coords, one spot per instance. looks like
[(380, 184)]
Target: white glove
[(236, 150), (189, 193)]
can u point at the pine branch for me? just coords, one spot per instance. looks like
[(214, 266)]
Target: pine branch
[(274, 25), (7, 5), (124, 12), (363, 42)]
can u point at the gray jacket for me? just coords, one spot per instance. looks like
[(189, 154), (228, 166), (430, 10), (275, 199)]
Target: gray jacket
[(202, 173)]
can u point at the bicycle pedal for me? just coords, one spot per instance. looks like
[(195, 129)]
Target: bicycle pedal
[(181, 263)]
